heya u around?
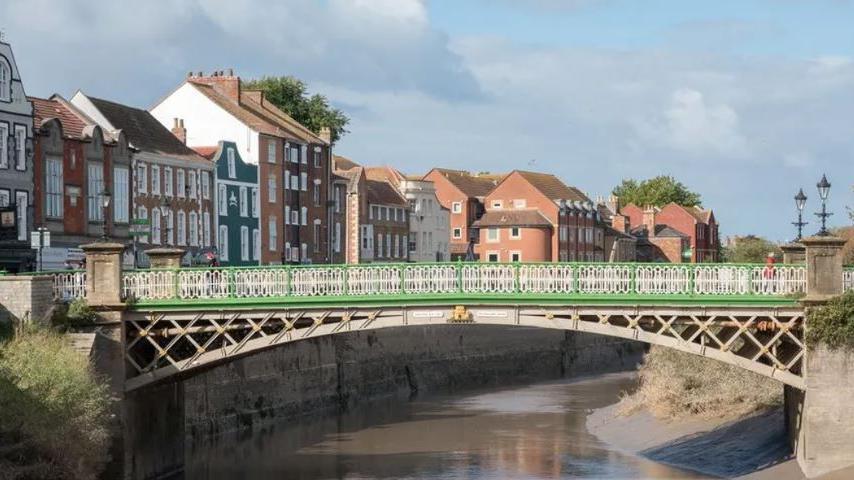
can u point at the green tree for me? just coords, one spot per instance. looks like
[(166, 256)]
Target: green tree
[(656, 191), (291, 95), (751, 249)]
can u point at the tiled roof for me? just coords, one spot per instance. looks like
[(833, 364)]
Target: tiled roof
[(73, 121), (513, 218), (478, 185), (207, 152), (386, 174), (552, 187), (247, 116), (660, 231), (143, 131), (383, 193), (343, 163), (258, 98)]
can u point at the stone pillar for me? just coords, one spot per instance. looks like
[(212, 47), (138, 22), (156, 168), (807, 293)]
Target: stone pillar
[(824, 268), (793, 253), (104, 274), (165, 257)]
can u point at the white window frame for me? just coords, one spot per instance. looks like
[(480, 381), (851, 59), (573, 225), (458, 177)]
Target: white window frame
[(518, 234), (256, 244), (21, 148), (272, 233), (303, 216), (142, 178), (287, 214), (94, 188), (5, 80), (456, 207), (303, 181), (516, 253), (222, 243), (222, 199), (191, 183), (243, 201), (206, 229), (520, 203), (232, 166), (493, 235), (497, 204), (121, 195), (167, 182), (271, 188), (255, 202), (457, 233), (497, 255), (181, 183), (271, 151), (182, 227), (155, 179), (206, 185), (244, 243), (54, 182), (193, 229), (293, 154), (4, 142)]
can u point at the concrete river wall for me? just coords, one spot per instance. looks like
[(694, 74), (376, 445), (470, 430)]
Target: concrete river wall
[(327, 374)]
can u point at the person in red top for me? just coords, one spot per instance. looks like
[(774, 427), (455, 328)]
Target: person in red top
[(769, 272)]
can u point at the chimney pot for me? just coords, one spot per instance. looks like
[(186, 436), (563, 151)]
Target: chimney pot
[(179, 131), (230, 72)]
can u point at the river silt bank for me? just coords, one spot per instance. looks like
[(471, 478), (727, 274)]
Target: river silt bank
[(331, 374)]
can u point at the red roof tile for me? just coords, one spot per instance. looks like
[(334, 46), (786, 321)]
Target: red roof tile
[(73, 121)]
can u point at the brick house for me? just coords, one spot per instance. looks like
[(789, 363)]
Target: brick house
[(294, 164), (172, 186), (533, 216), (699, 226), (75, 163), (462, 193)]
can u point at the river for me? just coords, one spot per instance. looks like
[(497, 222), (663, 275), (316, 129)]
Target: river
[(520, 432)]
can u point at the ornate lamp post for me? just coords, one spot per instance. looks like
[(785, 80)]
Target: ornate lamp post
[(823, 190), (105, 204), (164, 211), (800, 202)]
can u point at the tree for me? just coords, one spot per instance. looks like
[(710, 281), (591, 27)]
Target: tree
[(314, 112), (751, 249), (657, 191)]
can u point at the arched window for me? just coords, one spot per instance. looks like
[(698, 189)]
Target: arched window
[(5, 80)]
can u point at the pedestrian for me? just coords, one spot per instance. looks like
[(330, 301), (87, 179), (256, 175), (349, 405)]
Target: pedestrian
[(768, 273)]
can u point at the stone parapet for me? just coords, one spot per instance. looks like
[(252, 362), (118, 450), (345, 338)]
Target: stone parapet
[(25, 298), (794, 253), (165, 257), (104, 274), (824, 268)]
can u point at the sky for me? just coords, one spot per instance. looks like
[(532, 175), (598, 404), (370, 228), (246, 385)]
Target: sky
[(743, 101)]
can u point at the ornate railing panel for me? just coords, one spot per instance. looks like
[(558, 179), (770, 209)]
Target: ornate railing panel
[(848, 279), (68, 286)]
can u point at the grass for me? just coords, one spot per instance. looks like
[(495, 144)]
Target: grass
[(832, 324), (675, 385), (53, 410)]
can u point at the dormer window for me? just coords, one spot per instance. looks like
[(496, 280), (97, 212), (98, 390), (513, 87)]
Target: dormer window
[(232, 170), (5, 80)]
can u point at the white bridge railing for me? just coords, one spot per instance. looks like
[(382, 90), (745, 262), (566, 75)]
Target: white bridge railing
[(70, 285), (602, 279)]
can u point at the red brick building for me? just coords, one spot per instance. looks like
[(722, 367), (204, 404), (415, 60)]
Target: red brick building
[(698, 226)]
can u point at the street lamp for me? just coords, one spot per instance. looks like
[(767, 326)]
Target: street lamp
[(105, 204), (800, 202), (823, 190), (164, 211)]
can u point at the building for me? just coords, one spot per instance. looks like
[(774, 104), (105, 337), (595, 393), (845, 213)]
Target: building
[(238, 238), (76, 166), (350, 212), (699, 226), (535, 217), (172, 183), (294, 163), (620, 246), (429, 221), (16, 167), (462, 193)]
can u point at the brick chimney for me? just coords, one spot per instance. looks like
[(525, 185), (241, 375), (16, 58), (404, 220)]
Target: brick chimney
[(613, 204), (649, 221), (618, 223), (325, 134), (224, 82), (179, 131)]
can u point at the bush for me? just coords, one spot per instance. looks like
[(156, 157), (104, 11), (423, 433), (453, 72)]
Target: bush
[(676, 384), (55, 406), (832, 323), (80, 314)]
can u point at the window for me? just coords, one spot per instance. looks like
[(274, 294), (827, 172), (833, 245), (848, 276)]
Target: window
[(121, 207), (155, 226), (316, 236), (5, 197), (497, 204), (403, 244), (222, 244), (271, 151), (271, 188), (293, 154), (303, 252), (458, 233), (232, 167), (338, 198), (141, 178), (167, 181), (388, 245), (396, 247), (272, 231), (304, 216), (515, 233), (21, 147), (515, 256), (303, 153), (287, 251), (317, 159), (206, 185), (191, 179), (294, 183), (303, 180), (142, 214), (95, 186), (182, 228), (4, 138), (244, 202), (155, 179), (244, 243), (492, 257), (379, 245), (22, 203), (256, 244), (287, 214), (287, 183), (206, 229), (5, 80), (222, 199), (294, 217), (492, 235), (254, 202), (180, 183), (336, 244), (519, 203), (53, 187), (387, 211), (193, 229), (170, 228), (316, 193), (456, 207)]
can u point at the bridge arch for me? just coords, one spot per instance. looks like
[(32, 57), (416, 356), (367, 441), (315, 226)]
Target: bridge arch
[(161, 343)]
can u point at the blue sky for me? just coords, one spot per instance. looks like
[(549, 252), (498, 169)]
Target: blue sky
[(743, 101)]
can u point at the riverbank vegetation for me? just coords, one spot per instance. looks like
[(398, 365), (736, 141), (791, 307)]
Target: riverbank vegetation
[(832, 324), (675, 384), (53, 409)]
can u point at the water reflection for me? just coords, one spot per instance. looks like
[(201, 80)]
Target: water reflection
[(535, 431)]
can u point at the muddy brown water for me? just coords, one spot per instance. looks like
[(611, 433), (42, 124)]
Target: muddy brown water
[(522, 432)]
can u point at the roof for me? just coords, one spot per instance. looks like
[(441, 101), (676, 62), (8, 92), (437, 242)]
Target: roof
[(143, 131), (257, 98), (513, 218), (478, 185), (245, 115), (343, 163), (552, 187), (207, 152), (73, 121), (660, 231), (381, 192), (386, 174), (613, 232)]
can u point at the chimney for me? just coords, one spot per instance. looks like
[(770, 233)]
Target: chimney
[(179, 131), (326, 134), (649, 220), (613, 204), (618, 222), (227, 85)]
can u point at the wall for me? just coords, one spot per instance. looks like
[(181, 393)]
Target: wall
[(533, 244), (25, 298), (329, 373)]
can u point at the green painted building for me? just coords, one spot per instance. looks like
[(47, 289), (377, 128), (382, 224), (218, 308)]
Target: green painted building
[(237, 207)]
